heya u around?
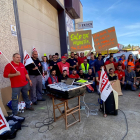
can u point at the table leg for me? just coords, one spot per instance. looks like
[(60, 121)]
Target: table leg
[(79, 108), (65, 107), (54, 109)]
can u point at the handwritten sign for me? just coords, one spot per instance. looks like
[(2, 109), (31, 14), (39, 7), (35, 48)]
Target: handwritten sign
[(111, 65), (105, 39), (80, 40)]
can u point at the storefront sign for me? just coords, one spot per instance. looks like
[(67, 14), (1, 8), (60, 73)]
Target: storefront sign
[(105, 39), (13, 30), (85, 25), (80, 40)]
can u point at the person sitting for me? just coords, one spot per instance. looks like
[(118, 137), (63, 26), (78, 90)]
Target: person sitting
[(138, 76), (120, 62), (112, 76), (91, 62), (53, 78), (110, 61), (90, 76), (130, 78), (98, 75), (81, 74), (85, 66), (121, 75), (74, 75), (63, 76)]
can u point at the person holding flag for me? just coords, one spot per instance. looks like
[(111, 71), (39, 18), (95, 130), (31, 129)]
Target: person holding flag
[(18, 75), (35, 73)]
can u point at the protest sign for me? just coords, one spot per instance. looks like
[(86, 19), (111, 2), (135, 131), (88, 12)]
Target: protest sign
[(117, 87), (111, 65), (80, 40), (105, 39)]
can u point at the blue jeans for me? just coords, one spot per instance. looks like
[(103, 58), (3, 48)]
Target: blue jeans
[(129, 83), (93, 85), (16, 95)]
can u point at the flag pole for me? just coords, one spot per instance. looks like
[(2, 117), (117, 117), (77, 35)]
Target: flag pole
[(9, 62)]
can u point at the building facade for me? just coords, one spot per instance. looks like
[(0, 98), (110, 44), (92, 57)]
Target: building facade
[(39, 23)]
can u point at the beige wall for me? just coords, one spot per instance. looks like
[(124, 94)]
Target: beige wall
[(8, 43), (81, 17), (62, 2), (39, 26)]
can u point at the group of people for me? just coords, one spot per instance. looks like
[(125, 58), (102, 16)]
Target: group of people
[(56, 69)]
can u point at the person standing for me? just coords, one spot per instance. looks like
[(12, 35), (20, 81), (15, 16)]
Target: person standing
[(73, 63), (110, 61), (53, 65), (92, 62), (63, 65), (57, 57), (45, 67), (82, 58), (35, 73), (18, 82), (98, 63), (131, 61), (85, 66), (120, 62)]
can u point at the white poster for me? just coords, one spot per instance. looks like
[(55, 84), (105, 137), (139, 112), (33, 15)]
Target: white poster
[(13, 30)]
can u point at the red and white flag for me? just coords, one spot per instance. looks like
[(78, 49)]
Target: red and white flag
[(34, 49), (4, 126), (120, 46), (27, 59), (104, 86), (0, 52)]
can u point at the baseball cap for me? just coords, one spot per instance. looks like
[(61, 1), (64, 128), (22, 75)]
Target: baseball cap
[(120, 59), (63, 57)]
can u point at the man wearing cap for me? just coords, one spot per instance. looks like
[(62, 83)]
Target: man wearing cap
[(120, 62), (63, 65)]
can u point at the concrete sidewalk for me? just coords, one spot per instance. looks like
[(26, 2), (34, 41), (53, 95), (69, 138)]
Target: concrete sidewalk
[(91, 128)]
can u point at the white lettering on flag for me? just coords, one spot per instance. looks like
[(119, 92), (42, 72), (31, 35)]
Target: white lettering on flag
[(104, 86), (27, 59), (4, 126)]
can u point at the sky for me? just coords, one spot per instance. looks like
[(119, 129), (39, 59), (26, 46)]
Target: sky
[(124, 15)]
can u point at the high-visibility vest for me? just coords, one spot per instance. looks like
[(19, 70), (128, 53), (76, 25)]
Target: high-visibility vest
[(85, 71), (131, 64)]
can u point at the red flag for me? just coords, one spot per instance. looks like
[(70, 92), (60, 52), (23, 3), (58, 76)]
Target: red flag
[(90, 87)]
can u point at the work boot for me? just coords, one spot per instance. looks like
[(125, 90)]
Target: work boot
[(35, 103), (42, 99), (31, 109)]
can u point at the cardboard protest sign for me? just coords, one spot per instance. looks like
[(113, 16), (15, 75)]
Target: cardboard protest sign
[(3, 109), (105, 39), (117, 87), (111, 65), (80, 40)]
